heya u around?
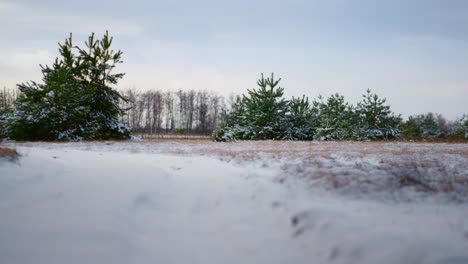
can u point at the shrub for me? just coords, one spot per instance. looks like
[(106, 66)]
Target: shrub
[(180, 131), (424, 126), (460, 127)]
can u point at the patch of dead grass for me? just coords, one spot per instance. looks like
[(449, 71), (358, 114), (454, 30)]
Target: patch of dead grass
[(8, 153)]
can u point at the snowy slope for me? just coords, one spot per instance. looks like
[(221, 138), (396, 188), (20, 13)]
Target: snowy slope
[(140, 203)]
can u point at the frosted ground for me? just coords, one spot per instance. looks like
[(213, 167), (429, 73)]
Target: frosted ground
[(194, 201)]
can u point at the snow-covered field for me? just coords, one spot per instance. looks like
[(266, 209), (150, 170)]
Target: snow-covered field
[(189, 201)]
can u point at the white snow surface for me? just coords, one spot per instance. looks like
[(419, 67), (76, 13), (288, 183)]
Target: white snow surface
[(138, 202)]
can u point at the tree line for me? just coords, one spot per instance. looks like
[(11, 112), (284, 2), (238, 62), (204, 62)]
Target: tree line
[(78, 100), (204, 112), (264, 113), (182, 111)]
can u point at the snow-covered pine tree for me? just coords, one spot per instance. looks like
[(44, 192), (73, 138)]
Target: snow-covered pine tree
[(258, 115), (76, 100), (335, 119), (266, 108), (96, 76), (376, 118), (298, 123)]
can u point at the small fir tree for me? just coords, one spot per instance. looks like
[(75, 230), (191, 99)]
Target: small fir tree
[(257, 115), (298, 123), (266, 107), (376, 118), (334, 118)]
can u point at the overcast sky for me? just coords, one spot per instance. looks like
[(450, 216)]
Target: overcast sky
[(413, 52)]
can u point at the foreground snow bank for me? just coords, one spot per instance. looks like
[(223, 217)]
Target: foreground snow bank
[(117, 203)]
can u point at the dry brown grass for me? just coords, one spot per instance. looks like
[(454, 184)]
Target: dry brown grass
[(316, 149), (8, 153)]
